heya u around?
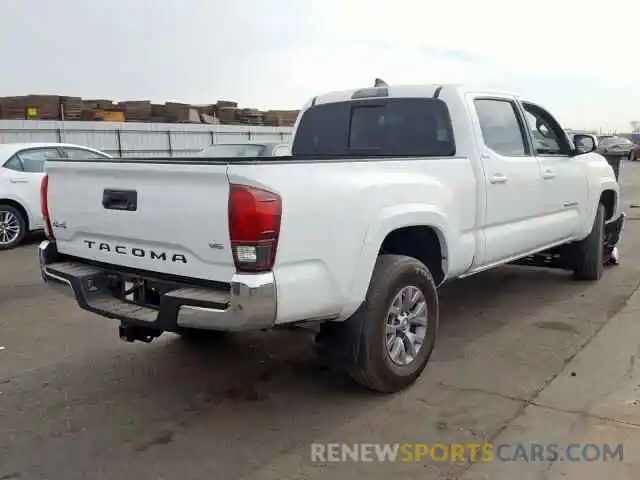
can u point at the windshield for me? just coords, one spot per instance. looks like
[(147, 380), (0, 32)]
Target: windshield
[(382, 127), (218, 151)]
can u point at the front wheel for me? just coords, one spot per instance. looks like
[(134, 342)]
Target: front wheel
[(589, 252), (387, 343)]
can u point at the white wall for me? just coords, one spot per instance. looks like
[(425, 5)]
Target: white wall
[(137, 139)]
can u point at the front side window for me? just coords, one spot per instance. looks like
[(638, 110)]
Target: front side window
[(548, 136), (405, 127), (33, 160), (501, 127)]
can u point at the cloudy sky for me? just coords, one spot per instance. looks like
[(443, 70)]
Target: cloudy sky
[(581, 59)]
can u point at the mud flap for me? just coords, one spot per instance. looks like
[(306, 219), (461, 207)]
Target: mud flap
[(612, 234)]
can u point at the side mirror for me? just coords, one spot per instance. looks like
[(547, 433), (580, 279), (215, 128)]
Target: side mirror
[(583, 144)]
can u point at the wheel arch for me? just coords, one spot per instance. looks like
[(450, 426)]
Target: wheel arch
[(18, 206), (422, 242), (400, 233), (609, 198)]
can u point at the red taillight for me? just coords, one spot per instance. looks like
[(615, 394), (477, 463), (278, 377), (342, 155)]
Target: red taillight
[(44, 206), (254, 226)]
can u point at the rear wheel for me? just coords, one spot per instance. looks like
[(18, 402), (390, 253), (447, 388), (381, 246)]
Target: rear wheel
[(13, 227), (589, 253), (387, 343)]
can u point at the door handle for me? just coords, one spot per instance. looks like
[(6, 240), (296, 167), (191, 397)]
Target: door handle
[(548, 174), (19, 180), (498, 178), (120, 200)]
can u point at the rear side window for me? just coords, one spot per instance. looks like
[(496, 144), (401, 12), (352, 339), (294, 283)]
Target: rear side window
[(501, 127), (33, 160), (281, 151), (81, 154), (14, 164), (228, 150), (411, 127)]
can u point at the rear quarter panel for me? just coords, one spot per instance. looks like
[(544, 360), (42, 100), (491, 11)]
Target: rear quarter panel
[(336, 215)]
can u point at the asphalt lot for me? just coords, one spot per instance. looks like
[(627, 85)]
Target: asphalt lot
[(78, 403)]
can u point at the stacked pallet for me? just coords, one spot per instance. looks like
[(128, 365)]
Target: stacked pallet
[(226, 104), (177, 112), (97, 104), (158, 113), (280, 118), (71, 108), (136, 110), (250, 116), (31, 107), (54, 107), (208, 118), (98, 110), (108, 116), (226, 114), (225, 111)]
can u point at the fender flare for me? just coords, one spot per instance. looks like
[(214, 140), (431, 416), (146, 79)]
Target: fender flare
[(608, 185), (391, 219)]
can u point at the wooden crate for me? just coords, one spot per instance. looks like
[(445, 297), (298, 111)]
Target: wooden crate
[(136, 110), (71, 107)]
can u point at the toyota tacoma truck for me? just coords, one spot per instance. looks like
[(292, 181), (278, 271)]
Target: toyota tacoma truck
[(389, 192)]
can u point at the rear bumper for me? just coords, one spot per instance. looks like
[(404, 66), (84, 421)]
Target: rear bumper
[(249, 303)]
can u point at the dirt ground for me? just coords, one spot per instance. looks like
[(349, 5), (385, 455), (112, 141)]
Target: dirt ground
[(78, 403)]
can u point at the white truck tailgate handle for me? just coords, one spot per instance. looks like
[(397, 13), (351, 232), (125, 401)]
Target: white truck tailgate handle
[(120, 200), (548, 174), (498, 178)]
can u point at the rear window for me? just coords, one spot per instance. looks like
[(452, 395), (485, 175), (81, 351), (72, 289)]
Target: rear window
[(412, 127)]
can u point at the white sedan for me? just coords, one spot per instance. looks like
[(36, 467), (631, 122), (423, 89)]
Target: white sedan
[(21, 171)]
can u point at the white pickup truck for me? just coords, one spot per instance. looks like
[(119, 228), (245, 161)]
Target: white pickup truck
[(389, 192)]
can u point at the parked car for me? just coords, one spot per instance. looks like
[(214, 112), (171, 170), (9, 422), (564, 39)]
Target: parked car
[(21, 172), (635, 151), (267, 149), (616, 145), (389, 193)]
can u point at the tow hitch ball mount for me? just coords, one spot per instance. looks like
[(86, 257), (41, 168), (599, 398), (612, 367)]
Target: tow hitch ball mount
[(132, 333)]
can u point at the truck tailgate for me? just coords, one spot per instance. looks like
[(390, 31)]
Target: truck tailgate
[(163, 217)]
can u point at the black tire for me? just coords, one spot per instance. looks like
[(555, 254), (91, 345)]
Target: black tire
[(22, 225), (358, 344), (590, 251)]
